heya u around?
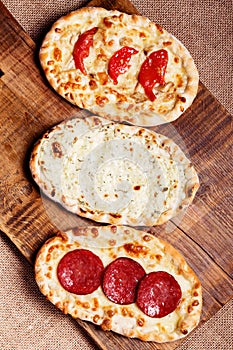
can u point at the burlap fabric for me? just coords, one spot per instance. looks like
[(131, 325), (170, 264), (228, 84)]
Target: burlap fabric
[(27, 321)]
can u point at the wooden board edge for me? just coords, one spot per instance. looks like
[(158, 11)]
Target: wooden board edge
[(18, 28), (120, 5)]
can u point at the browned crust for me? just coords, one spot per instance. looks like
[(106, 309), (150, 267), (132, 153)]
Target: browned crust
[(190, 175), (144, 113), (127, 320)]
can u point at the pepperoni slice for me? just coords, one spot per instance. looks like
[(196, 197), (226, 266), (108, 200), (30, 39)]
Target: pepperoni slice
[(120, 280), (80, 271), (158, 294)]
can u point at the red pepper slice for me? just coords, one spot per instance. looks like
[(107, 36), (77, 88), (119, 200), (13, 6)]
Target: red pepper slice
[(82, 48), (119, 62), (153, 71)]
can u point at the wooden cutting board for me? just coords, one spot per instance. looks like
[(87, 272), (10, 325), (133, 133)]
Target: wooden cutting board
[(28, 107)]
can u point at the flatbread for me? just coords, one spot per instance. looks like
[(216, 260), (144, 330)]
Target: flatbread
[(96, 91), (113, 173), (109, 243)]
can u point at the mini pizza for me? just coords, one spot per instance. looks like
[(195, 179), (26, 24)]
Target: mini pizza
[(113, 173), (121, 67), (123, 280)]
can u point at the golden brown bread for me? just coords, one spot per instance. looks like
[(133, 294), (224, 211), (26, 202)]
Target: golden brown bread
[(108, 243), (96, 91)]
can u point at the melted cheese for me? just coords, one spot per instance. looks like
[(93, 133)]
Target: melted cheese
[(114, 173), (126, 100), (152, 253)]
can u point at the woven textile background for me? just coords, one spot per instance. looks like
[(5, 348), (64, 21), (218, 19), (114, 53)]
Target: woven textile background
[(27, 321)]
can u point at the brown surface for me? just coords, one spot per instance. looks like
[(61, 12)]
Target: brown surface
[(28, 107)]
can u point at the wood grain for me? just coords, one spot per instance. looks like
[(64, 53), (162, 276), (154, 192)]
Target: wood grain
[(28, 107), (120, 5), (206, 129)]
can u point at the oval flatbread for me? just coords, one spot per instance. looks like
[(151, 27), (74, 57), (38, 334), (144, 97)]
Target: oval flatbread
[(113, 173), (95, 59), (155, 256)]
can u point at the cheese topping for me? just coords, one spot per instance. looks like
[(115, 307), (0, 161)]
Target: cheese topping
[(96, 90), (114, 173), (151, 253)]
